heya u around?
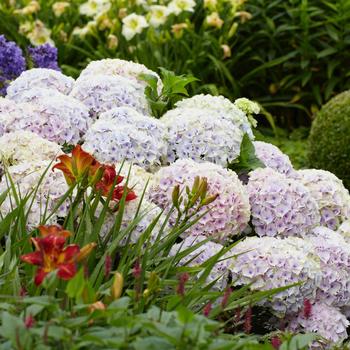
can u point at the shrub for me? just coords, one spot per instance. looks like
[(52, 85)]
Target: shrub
[(329, 138)]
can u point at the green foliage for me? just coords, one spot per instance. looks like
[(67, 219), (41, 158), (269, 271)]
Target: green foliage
[(329, 146), (174, 88)]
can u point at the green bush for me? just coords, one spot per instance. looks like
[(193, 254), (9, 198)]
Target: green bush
[(329, 137)]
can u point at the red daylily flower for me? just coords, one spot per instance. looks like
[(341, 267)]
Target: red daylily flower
[(75, 167), (51, 255), (110, 179)]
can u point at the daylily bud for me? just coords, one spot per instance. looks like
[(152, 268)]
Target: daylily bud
[(112, 41), (196, 183), (175, 196), (177, 29), (146, 293), (232, 30), (209, 199), (122, 12), (85, 251), (153, 282), (117, 286), (98, 305), (227, 51)]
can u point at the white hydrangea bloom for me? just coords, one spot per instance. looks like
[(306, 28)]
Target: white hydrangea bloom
[(25, 146), (230, 212), (93, 8), (118, 67), (247, 106), (8, 111), (101, 93), (26, 177), (280, 206), (326, 321), (273, 157), (50, 114), (332, 197), (202, 136), (147, 213), (123, 133), (40, 78), (179, 6), (268, 262), (221, 105), (334, 255), (203, 253), (133, 24)]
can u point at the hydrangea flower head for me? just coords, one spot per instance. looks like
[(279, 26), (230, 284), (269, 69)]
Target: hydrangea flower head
[(201, 135), (101, 93), (50, 114), (12, 62), (268, 262), (334, 255), (24, 146), (26, 177), (280, 206), (44, 56), (326, 321), (273, 157), (229, 213), (123, 133), (220, 105), (203, 253), (43, 78), (328, 191), (118, 67)]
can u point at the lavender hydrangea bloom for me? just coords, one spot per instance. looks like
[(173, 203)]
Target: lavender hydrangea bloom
[(280, 206), (123, 133), (332, 198), (334, 255), (50, 114), (200, 255), (40, 78), (273, 157), (44, 56), (12, 62), (344, 230), (101, 93), (326, 321), (230, 212), (202, 135), (268, 262)]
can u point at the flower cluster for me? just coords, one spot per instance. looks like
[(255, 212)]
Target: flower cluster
[(50, 114), (118, 67), (50, 254), (201, 135), (280, 206), (326, 320), (40, 78), (123, 133), (101, 93), (344, 230), (12, 62), (229, 213), (334, 255), (219, 273), (220, 106), (268, 262), (46, 186), (273, 158), (24, 146), (328, 191), (44, 56)]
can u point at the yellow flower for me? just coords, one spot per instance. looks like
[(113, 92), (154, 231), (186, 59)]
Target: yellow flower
[(227, 51), (244, 16), (178, 6), (60, 7), (214, 20), (177, 29), (32, 7), (40, 35)]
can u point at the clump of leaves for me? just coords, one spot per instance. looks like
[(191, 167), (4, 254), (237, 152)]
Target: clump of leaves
[(174, 89)]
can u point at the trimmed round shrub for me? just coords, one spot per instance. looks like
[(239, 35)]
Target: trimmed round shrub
[(329, 147)]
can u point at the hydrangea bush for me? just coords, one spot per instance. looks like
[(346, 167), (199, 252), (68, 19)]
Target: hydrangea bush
[(281, 207), (229, 214)]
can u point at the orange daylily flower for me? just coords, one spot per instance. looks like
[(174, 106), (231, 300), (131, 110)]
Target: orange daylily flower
[(76, 166)]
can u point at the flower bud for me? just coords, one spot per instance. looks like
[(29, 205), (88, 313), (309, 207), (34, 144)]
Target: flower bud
[(175, 196), (85, 251), (117, 286), (112, 42), (98, 305)]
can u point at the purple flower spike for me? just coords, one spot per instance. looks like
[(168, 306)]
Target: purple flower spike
[(44, 56)]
